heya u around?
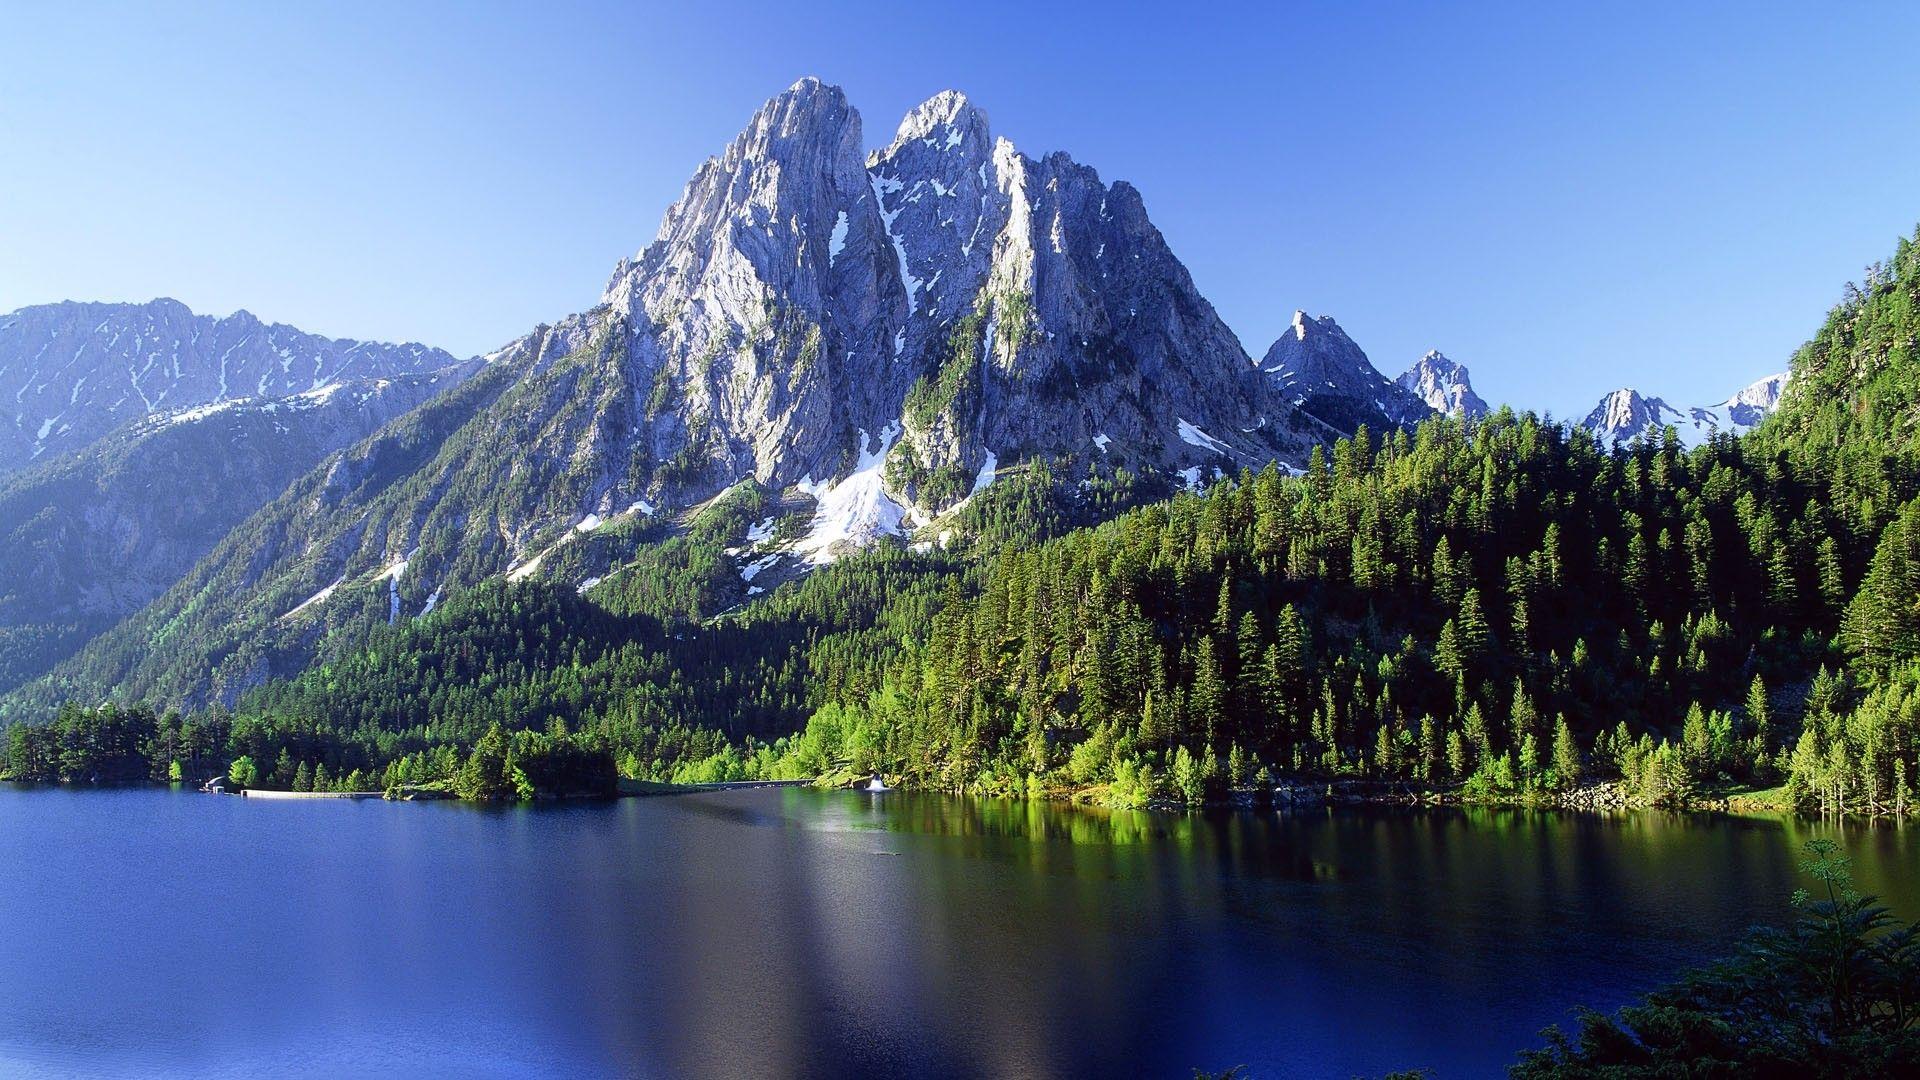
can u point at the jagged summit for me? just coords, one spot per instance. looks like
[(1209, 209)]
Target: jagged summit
[(800, 299), (1756, 401), (1311, 349), (1444, 385), (946, 120), (1626, 414), (1320, 370)]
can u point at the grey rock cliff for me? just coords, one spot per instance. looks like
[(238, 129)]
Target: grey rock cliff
[(1444, 386), (945, 303)]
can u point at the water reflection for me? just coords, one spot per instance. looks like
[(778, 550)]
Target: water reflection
[(800, 933)]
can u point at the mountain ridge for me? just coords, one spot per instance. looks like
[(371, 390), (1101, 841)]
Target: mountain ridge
[(117, 361), (1626, 414), (95, 534), (884, 333), (880, 335)]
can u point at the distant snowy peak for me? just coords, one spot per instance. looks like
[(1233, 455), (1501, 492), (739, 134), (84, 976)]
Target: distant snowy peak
[(1626, 414), (1756, 401), (1324, 373), (1444, 386), (71, 372)]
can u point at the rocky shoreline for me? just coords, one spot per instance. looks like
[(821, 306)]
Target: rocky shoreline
[(1605, 798)]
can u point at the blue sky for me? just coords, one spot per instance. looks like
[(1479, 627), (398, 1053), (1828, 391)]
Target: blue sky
[(1566, 202)]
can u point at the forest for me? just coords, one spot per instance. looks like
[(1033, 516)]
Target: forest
[(1498, 610)]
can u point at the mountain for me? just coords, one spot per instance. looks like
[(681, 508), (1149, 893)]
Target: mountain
[(1318, 368), (1753, 403), (1444, 386), (71, 372), (92, 536), (869, 341), (1627, 414), (943, 308)]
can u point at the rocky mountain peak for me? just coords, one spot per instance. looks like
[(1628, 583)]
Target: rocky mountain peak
[(1444, 385), (800, 300), (1626, 414), (799, 148), (1755, 401), (945, 121), (1319, 369)]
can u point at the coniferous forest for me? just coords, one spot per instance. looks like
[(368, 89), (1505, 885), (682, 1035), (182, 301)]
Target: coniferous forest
[(1496, 610)]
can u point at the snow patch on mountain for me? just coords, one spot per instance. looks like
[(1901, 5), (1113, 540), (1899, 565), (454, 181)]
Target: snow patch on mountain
[(857, 510), (1193, 436), (391, 575), (316, 599), (985, 477)]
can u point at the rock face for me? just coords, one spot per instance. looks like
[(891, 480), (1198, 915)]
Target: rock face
[(94, 535), (945, 306), (1444, 386), (1625, 415), (71, 372), (1319, 369)]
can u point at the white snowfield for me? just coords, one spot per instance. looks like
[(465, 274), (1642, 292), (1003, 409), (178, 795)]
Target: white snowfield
[(856, 511), (1193, 436)]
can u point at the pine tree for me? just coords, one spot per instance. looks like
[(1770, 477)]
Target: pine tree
[(1458, 764), (1759, 714), (1529, 762), (1209, 696), (1566, 755)]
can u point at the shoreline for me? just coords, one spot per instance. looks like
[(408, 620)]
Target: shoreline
[(1602, 799), (1609, 797)]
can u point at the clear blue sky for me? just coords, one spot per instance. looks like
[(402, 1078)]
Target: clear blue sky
[(1565, 202)]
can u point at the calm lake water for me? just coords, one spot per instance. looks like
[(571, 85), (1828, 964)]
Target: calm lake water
[(789, 932)]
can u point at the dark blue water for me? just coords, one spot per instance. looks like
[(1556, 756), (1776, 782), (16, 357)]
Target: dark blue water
[(798, 933)]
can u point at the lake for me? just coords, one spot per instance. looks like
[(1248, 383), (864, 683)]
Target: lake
[(793, 932)]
